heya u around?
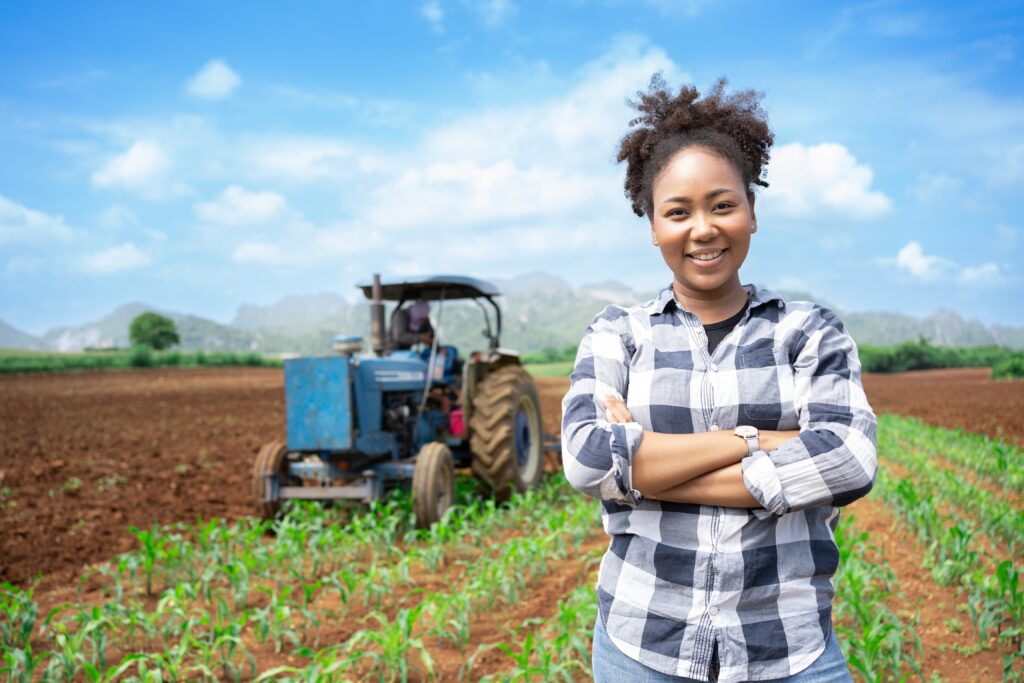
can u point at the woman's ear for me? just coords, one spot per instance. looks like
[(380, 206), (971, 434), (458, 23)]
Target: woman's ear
[(753, 216), (654, 235)]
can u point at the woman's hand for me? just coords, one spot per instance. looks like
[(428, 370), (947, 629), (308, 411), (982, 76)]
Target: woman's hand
[(615, 410)]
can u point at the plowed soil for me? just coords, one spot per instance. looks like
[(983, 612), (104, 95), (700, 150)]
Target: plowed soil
[(84, 456), (964, 398)]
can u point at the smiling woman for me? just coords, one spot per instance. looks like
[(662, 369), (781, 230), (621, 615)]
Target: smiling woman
[(721, 426)]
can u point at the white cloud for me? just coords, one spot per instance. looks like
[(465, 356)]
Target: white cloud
[(492, 13), (143, 169), (215, 81), (523, 163), (433, 13), (237, 206), (302, 244), (303, 159), (929, 268), (122, 257), (986, 273), (22, 225), (931, 187), (913, 259), (823, 178), (466, 193), (115, 217)]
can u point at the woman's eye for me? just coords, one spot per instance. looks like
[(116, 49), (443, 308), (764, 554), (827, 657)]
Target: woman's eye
[(676, 213), (723, 206)]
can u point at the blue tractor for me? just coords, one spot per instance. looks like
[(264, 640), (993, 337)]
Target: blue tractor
[(359, 425)]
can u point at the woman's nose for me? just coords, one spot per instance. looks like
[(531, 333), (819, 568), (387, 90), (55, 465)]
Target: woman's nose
[(703, 227)]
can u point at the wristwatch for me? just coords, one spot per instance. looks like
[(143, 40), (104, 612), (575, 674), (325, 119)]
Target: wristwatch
[(748, 434)]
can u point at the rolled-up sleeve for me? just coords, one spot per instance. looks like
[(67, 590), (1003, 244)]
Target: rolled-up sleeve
[(597, 455), (833, 461)]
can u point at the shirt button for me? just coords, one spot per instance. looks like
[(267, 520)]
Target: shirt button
[(714, 428), (713, 611)]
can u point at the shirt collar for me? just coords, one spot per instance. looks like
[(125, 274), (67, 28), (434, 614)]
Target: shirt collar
[(758, 297)]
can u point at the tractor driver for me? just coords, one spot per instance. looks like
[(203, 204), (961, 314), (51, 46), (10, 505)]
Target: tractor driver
[(411, 325)]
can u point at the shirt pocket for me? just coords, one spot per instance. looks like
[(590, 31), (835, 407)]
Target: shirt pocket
[(766, 386)]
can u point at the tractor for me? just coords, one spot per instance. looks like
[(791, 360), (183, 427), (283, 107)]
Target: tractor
[(359, 425)]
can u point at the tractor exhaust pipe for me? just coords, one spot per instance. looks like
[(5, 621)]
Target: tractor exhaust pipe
[(377, 339)]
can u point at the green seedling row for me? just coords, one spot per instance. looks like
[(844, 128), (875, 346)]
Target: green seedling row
[(994, 459), (878, 643), (955, 554), (993, 514), (221, 590), (364, 595)]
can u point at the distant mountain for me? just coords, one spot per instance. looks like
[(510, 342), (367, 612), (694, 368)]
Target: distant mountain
[(109, 331), (538, 310), (13, 338)]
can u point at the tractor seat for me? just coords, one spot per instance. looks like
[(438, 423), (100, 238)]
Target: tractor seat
[(447, 364)]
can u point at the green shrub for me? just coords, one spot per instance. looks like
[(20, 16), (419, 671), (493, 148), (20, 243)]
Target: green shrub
[(141, 357), (923, 355), (12, 361), (1009, 368), (550, 354)]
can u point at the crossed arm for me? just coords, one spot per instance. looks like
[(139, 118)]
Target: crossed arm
[(830, 461), (709, 471)]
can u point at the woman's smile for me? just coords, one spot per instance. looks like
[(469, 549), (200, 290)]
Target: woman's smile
[(707, 258)]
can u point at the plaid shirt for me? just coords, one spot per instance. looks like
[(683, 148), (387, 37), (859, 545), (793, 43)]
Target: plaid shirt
[(678, 577)]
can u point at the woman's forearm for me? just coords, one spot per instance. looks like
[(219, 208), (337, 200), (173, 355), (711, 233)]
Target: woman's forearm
[(723, 487), (665, 461)]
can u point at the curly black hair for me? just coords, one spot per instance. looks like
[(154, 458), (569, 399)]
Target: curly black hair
[(732, 126)]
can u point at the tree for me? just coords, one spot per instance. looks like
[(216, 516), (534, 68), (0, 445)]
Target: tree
[(153, 330)]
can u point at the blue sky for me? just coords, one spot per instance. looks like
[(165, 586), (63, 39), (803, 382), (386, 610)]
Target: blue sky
[(200, 155)]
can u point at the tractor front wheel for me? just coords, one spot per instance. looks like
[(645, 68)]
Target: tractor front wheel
[(433, 483), (505, 432), (271, 463)]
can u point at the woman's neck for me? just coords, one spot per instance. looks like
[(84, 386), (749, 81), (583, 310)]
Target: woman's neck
[(712, 306)]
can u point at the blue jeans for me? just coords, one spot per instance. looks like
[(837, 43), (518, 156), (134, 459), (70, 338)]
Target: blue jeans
[(611, 666)]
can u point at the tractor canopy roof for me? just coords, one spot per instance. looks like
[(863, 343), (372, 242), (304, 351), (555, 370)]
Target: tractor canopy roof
[(432, 288)]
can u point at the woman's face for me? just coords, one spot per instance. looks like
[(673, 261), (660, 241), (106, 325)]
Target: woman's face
[(701, 208)]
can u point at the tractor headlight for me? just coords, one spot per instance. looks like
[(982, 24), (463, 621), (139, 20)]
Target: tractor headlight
[(347, 344)]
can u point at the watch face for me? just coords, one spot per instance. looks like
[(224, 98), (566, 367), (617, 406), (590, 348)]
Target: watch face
[(746, 431)]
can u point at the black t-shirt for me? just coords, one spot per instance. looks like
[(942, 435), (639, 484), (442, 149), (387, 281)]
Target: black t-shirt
[(717, 331)]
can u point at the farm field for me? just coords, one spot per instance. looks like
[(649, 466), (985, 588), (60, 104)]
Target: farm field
[(85, 456)]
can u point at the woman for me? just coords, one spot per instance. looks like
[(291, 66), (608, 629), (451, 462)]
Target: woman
[(720, 425)]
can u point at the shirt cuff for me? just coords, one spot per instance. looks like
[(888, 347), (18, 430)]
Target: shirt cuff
[(625, 439), (762, 480)]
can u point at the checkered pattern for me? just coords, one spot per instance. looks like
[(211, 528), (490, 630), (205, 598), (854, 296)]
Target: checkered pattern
[(677, 577)]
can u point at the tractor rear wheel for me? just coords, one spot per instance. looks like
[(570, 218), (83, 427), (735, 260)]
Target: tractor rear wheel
[(433, 483), (505, 432), (272, 461)]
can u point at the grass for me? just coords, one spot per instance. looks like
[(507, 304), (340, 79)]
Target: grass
[(19, 361), (555, 369)]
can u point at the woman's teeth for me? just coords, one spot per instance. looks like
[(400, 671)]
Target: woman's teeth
[(710, 256)]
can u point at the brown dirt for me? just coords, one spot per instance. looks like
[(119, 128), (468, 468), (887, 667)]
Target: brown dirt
[(944, 630), (958, 397), (87, 455)]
